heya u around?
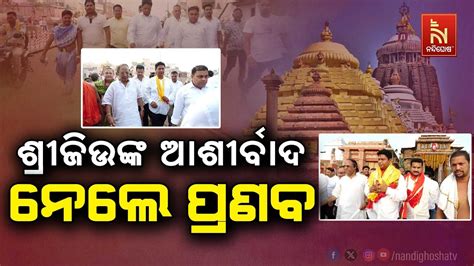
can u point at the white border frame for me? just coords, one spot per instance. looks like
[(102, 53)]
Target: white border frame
[(217, 51), (336, 135)]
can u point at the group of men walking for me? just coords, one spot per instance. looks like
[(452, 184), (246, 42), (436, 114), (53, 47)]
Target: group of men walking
[(386, 194)]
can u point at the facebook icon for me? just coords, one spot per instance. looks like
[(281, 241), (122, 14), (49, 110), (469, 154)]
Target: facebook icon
[(333, 255)]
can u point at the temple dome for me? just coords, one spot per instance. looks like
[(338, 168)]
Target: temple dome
[(401, 92), (394, 45), (411, 38), (335, 54)]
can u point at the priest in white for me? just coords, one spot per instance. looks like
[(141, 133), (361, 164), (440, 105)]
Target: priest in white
[(455, 200)]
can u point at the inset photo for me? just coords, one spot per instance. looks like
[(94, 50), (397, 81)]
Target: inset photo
[(395, 177), (151, 88)]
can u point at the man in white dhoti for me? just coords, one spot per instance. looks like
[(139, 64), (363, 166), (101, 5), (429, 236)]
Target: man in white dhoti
[(349, 192), (121, 101), (455, 191), (420, 192)]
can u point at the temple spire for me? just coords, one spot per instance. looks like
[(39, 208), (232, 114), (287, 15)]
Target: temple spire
[(404, 27), (326, 34), (369, 70)]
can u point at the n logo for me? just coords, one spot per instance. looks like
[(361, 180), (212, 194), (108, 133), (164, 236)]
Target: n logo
[(438, 34)]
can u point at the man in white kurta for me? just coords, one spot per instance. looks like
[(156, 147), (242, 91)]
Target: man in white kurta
[(329, 209), (93, 28), (323, 189), (190, 93), (144, 29), (213, 26), (171, 27), (159, 101), (176, 85), (118, 29), (386, 189), (265, 42), (333, 179), (434, 195), (122, 101), (349, 192), (192, 33), (204, 113), (142, 82), (420, 192)]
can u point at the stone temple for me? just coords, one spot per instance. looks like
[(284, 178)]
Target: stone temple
[(356, 94), (411, 111), (402, 52)]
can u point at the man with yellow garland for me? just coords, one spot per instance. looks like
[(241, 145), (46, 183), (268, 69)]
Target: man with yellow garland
[(421, 190), (386, 189), (160, 96)]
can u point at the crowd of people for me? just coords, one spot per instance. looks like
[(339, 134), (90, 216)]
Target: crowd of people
[(386, 193), (156, 101), (257, 44)]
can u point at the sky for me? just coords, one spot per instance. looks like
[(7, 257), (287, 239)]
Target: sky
[(184, 59), (396, 141), (364, 25)]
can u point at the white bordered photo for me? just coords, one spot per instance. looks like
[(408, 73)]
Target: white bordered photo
[(150, 88)]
